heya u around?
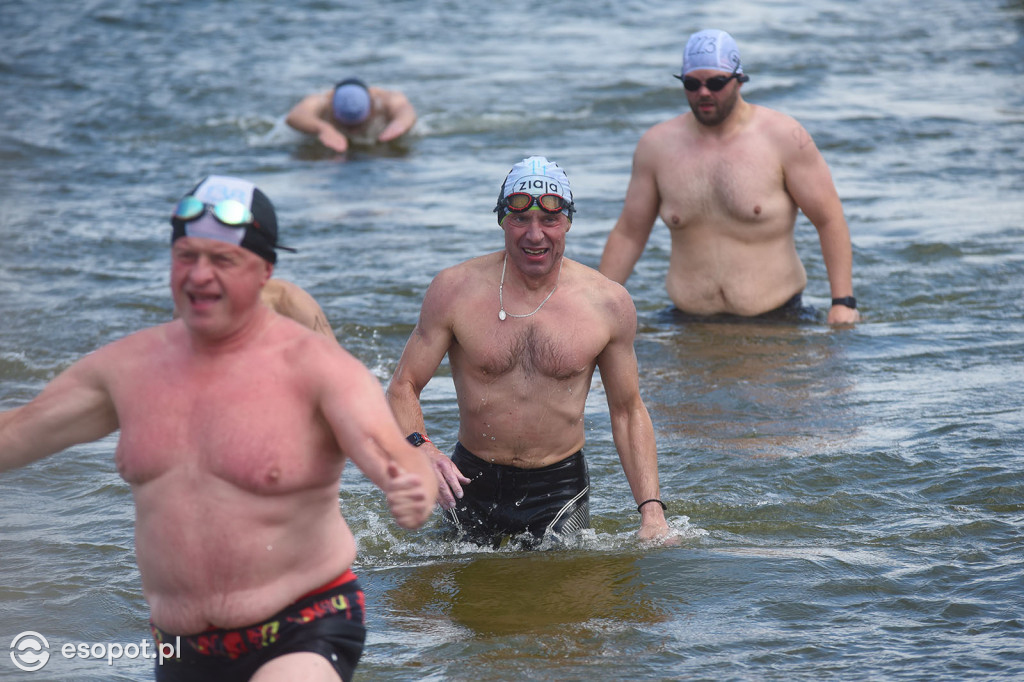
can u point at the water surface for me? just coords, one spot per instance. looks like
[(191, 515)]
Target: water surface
[(849, 502)]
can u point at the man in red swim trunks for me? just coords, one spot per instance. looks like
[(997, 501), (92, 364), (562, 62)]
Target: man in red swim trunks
[(235, 423)]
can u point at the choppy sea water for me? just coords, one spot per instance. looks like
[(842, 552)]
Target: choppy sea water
[(850, 502)]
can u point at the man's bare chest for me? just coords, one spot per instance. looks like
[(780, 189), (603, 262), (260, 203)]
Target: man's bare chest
[(250, 430), (737, 186), (533, 350)]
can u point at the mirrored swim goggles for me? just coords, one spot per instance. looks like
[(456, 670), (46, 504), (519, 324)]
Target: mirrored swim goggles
[(715, 83), (230, 212), (520, 202)]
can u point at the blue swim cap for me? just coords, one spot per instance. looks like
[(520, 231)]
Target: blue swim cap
[(351, 102), (711, 49)]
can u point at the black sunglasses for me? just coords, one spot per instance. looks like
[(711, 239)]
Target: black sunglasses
[(715, 83)]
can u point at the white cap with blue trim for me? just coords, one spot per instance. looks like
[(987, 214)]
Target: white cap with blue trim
[(711, 49)]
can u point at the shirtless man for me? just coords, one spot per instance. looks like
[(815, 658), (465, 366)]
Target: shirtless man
[(353, 113), (727, 178), (235, 424), (523, 329)]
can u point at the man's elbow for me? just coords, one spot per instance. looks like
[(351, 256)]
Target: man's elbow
[(393, 394), (293, 118), (401, 392)]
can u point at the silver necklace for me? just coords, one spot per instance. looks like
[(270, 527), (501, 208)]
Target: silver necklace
[(501, 285)]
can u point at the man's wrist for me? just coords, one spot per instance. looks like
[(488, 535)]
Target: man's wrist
[(848, 301), (417, 439)]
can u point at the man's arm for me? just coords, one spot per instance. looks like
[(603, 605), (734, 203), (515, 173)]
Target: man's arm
[(627, 240), (73, 408), (423, 353), (308, 117), (400, 112), (353, 404), (632, 429), (809, 182)]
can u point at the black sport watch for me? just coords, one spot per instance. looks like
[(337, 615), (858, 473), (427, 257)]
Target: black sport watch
[(848, 301), (416, 438)]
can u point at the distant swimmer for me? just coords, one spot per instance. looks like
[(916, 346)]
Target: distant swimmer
[(353, 113), (728, 178), (235, 424), (524, 329)]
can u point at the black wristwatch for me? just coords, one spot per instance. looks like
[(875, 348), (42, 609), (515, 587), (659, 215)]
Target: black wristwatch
[(848, 301), (416, 438)]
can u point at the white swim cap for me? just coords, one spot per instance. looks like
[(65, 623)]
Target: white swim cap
[(711, 49), (351, 102), (535, 176)]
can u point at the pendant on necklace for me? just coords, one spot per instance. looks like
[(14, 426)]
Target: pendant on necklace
[(501, 315)]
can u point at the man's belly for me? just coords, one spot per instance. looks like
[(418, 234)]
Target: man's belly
[(746, 283), (233, 570)]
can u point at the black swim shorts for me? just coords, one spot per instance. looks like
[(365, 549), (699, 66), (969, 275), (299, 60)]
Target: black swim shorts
[(329, 621), (792, 310), (524, 505)]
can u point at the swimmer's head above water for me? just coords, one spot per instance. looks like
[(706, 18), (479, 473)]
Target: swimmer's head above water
[(351, 103)]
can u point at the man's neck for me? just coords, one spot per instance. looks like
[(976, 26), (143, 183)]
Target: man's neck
[(249, 329), (733, 123)]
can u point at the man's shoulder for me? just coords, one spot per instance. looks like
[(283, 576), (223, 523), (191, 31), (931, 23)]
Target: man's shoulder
[(583, 271), (466, 271), (274, 291), (661, 138), (291, 332), (389, 97), (133, 351), (781, 133), (598, 285), (773, 120), (154, 337), (301, 352), (453, 287), (669, 128), (457, 291)]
